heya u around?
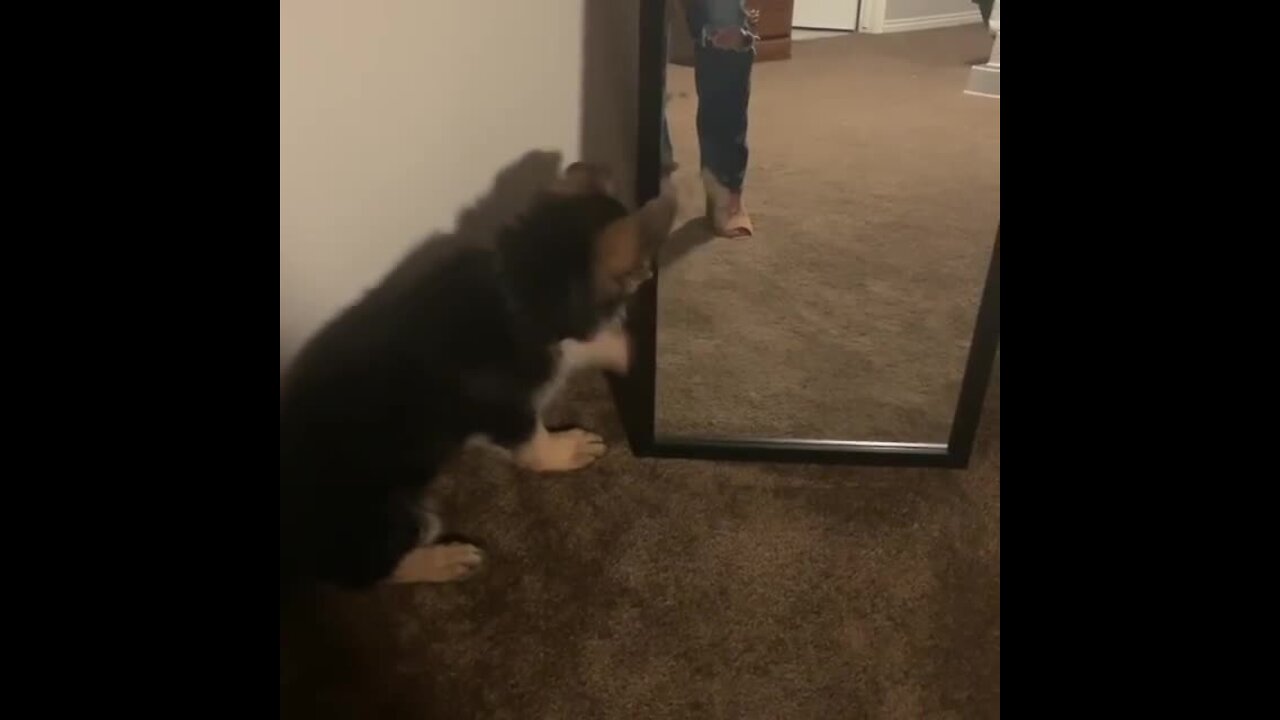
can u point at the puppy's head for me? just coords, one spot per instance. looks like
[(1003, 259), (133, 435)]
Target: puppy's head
[(623, 250), (580, 254)]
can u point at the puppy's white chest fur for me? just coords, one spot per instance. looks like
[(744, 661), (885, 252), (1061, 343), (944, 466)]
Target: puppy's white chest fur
[(564, 367)]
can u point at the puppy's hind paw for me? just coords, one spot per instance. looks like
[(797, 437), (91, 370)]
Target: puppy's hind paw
[(446, 562)]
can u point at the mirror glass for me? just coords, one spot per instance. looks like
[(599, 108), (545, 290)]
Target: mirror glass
[(837, 167)]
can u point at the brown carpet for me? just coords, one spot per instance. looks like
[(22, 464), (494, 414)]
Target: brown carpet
[(874, 186), (680, 589)]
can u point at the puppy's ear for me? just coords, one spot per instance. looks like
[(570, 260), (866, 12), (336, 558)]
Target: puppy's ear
[(582, 178)]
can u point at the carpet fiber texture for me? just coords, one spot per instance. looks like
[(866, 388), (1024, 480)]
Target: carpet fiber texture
[(680, 589)]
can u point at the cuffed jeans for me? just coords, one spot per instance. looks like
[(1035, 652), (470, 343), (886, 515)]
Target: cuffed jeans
[(723, 80)]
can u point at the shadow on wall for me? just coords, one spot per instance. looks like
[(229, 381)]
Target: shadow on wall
[(511, 193), (610, 67)]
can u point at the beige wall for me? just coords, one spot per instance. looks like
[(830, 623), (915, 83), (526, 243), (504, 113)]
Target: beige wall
[(901, 9), (396, 114)]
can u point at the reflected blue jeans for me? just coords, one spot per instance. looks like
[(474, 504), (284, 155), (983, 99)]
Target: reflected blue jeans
[(722, 76)]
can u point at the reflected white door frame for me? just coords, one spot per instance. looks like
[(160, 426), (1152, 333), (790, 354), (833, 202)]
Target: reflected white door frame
[(825, 14)]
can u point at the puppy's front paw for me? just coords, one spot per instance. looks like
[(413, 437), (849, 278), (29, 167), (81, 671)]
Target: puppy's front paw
[(615, 351), (563, 451), (609, 349)]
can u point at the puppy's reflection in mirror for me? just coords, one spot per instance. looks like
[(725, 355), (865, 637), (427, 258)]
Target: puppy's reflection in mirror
[(687, 238)]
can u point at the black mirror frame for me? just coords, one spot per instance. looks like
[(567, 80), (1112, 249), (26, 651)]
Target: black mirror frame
[(635, 395)]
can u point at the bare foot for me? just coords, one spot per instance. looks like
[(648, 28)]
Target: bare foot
[(725, 209)]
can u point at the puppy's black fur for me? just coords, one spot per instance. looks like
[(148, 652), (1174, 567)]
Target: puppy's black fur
[(388, 390)]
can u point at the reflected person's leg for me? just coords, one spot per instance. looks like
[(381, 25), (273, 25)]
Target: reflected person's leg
[(724, 52), (668, 159), (668, 154)]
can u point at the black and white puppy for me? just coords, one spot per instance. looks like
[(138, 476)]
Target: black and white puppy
[(472, 344)]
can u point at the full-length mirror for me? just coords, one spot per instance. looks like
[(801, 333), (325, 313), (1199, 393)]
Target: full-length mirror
[(837, 167)]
